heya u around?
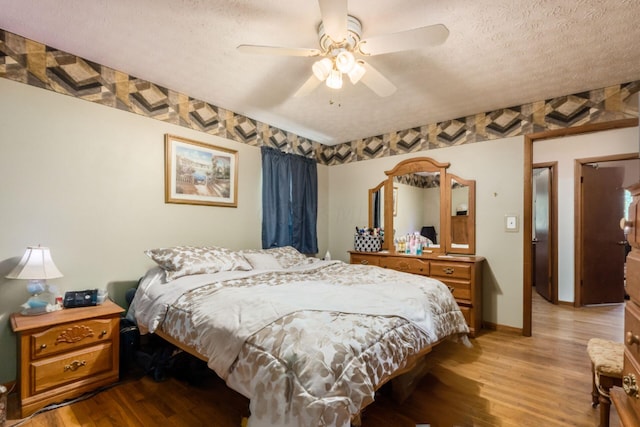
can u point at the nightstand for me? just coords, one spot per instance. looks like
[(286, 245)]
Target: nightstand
[(66, 353)]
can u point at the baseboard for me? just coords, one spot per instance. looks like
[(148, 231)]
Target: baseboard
[(501, 328), (567, 303)]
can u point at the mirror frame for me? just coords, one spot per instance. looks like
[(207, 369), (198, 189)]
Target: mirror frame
[(471, 215), (372, 191), (417, 164)]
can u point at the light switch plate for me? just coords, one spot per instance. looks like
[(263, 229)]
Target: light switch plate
[(511, 222)]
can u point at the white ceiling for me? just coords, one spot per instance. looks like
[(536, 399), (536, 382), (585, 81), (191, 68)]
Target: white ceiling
[(499, 53)]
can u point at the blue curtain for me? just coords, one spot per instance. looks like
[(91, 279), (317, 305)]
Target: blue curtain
[(289, 201)]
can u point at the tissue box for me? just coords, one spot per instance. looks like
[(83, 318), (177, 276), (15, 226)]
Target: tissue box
[(366, 243)]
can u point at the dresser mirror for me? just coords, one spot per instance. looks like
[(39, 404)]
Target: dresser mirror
[(417, 203), (461, 203)]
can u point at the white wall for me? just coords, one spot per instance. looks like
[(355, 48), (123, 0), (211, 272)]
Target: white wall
[(88, 181), (565, 151), (498, 167)]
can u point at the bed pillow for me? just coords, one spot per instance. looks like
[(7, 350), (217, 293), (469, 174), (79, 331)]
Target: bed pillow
[(181, 261), (262, 261), (287, 256)]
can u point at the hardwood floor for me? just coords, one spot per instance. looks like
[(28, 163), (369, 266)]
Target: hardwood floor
[(503, 380)]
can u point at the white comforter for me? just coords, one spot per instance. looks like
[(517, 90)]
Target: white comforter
[(236, 314)]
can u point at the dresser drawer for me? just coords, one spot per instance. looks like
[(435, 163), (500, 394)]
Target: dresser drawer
[(450, 270), (461, 288), (632, 367), (364, 259), (407, 265), (632, 348), (633, 275), (68, 337), (632, 330), (57, 370)]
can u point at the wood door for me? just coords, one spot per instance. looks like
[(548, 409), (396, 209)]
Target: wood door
[(602, 278), (542, 221)]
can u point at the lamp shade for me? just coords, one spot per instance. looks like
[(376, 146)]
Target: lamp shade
[(345, 61), (36, 263), (356, 73), (334, 81), (322, 68)]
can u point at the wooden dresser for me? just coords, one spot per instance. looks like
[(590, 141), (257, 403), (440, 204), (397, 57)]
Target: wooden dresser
[(462, 273), (66, 353), (627, 398)]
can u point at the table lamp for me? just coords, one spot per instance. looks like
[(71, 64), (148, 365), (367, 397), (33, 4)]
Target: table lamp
[(36, 266)]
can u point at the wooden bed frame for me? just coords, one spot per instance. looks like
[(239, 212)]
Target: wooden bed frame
[(403, 381)]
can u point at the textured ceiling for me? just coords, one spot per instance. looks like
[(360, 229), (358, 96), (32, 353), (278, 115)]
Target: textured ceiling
[(499, 53)]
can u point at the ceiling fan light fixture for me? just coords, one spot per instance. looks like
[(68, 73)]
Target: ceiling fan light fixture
[(356, 72), (322, 69), (334, 81), (345, 61)]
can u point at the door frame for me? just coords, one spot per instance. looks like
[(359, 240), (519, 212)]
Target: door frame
[(528, 201), (577, 206), (553, 225)]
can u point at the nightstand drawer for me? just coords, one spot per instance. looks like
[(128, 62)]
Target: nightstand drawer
[(407, 265), (466, 312), (69, 367), (71, 336), (450, 270)]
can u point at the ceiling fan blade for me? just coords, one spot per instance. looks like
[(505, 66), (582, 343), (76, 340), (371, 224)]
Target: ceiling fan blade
[(307, 87), (276, 50), (376, 81), (334, 18), (417, 38)]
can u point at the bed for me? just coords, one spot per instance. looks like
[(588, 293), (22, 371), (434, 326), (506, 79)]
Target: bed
[(307, 341)]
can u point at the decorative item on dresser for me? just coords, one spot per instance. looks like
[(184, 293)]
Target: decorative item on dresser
[(627, 398), (66, 353), (463, 274)]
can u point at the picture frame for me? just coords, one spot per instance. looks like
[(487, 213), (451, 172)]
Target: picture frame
[(198, 173)]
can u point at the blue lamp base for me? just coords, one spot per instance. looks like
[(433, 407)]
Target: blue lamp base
[(41, 300)]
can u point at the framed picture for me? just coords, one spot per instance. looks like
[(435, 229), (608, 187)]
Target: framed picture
[(199, 174), (395, 201)]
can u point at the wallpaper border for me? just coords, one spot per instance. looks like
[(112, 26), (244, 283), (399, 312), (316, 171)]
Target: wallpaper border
[(36, 64)]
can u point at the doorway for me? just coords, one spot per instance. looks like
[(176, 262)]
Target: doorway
[(527, 221), (545, 231), (600, 242)]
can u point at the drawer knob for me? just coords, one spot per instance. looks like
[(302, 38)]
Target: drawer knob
[(73, 366), (447, 270), (364, 262), (43, 346), (103, 333), (632, 339), (629, 385)]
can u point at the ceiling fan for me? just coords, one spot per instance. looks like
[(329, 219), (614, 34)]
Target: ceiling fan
[(341, 49)]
